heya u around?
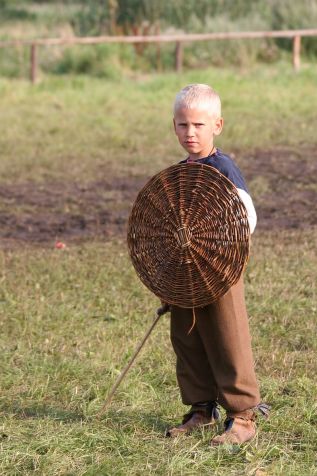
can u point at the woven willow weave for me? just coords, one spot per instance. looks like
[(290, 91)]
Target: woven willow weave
[(188, 235)]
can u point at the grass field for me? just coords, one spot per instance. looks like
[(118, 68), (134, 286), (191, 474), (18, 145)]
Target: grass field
[(71, 318)]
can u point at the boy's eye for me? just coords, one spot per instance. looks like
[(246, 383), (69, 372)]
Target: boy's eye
[(196, 124)]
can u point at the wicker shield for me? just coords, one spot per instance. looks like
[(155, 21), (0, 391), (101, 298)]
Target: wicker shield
[(188, 235)]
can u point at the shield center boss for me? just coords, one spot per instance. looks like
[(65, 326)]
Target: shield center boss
[(188, 235), (183, 236)]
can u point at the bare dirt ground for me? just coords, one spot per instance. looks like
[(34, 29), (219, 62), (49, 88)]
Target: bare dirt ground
[(283, 184)]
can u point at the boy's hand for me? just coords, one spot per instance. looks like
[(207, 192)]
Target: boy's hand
[(163, 309)]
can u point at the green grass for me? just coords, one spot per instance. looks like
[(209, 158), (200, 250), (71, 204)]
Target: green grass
[(79, 126), (71, 319)]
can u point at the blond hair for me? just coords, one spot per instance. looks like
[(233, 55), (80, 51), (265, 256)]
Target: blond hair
[(200, 96)]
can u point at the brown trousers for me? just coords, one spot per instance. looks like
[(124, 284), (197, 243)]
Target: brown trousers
[(214, 361)]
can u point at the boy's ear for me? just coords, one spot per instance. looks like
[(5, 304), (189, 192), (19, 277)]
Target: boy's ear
[(218, 126), (174, 124)]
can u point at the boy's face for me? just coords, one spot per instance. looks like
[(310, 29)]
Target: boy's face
[(195, 129)]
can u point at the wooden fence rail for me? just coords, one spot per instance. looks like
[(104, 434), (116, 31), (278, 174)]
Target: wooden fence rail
[(179, 40)]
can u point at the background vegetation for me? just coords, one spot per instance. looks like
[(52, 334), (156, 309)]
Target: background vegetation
[(22, 19)]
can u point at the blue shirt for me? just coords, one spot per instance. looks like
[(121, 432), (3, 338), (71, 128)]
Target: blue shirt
[(226, 166)]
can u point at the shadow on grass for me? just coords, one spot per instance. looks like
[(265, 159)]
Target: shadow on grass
[(43, 411), (149, 421), (116, 418)]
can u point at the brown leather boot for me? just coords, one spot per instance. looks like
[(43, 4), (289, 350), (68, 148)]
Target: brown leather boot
[(239, 428), (199, 416)]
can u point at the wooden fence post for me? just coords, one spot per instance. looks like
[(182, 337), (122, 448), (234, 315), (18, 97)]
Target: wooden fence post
[(296, 52), (179, 56), (33, 58), (158, 50)]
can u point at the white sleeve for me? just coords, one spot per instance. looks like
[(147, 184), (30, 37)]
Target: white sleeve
[(247, 202)]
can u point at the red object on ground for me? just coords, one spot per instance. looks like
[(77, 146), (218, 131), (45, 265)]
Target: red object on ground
[(60, 245)]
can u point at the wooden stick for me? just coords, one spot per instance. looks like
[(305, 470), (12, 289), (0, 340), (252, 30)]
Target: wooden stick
[(159, 313)]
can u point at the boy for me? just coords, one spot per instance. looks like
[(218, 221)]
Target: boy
[(214, 361)]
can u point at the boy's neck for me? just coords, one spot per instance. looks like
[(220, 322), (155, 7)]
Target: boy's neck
[(193, 157)]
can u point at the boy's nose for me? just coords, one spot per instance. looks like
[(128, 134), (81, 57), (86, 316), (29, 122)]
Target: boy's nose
[(190, 132)]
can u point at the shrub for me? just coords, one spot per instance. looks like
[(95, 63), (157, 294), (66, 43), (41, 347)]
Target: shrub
[(97, 60)]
